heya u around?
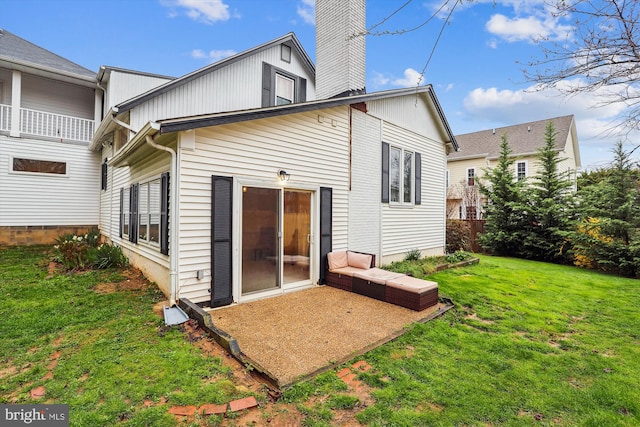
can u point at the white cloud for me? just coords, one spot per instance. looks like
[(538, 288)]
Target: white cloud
[(530, 28), (597, 133), (307, 11), (206, 11), (212, 55), (411, 78), (379, 80)]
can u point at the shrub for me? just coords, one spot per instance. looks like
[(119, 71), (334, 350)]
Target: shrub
[(457, 256), (412, 255), (458, 235), (107, 256), (82, 252)]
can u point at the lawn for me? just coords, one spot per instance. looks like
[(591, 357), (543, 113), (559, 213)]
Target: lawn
[(527, 344)]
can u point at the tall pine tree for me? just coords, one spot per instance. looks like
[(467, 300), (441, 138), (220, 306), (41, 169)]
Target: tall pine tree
[(608, 237), (550, 206), (504, 214)]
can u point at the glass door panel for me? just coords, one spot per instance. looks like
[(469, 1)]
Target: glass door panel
[(260, 250), (296, 236)]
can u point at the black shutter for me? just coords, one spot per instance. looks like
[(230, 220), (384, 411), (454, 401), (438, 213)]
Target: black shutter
[(326, 224), (268, 99), (133, 213), (385, 172), (221, 243), (164, 213), (122, 213), (418, 177), (301, 89), (103, 180)]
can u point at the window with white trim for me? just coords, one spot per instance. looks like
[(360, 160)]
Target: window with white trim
[(144, 213), (285, 89), (521, 170), (39, 166), (149, 212), (400, 176), (471, 177)]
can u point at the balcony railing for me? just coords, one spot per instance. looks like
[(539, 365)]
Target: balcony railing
[(41, 123)]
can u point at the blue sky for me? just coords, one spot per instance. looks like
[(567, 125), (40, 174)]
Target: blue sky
[(476, 68)]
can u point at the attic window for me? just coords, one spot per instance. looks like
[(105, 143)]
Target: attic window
[(284, 90), (285, 53)]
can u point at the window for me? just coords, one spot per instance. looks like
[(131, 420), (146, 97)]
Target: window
[(280, 87), (471, 177), (149, 212), (125, 211), (144, 212), (471, 212), (403, 176), (103, 176), (521, 170), (285, 88), (39, 166)]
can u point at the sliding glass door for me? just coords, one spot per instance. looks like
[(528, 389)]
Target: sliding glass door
[(276, 239)]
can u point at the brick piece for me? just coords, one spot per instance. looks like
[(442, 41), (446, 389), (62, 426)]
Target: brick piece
[(241, 404), (362, 366), (343, 372), (212, 409), (38, 392), (186, 411)]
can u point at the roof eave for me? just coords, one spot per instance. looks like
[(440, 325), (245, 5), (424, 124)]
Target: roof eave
[(121, 157), (27, 66)]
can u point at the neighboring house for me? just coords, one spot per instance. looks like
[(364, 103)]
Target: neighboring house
[(232, 183), (49, 180), (480, 151)]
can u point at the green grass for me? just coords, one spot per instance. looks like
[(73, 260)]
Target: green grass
[(114, 352), (527, 344)]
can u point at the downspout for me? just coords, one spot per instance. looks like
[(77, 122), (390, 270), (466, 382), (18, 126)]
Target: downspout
[(173, 216)]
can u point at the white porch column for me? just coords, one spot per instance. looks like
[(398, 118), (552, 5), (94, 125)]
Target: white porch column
[(16, 96)]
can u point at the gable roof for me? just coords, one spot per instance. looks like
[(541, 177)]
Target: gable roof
[(289, 38), (195, 122), (21, 52), (524, 139)]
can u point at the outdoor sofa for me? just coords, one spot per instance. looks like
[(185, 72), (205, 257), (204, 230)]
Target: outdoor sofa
[(356, 272)]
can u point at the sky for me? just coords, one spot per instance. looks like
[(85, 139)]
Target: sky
[(475, 61)]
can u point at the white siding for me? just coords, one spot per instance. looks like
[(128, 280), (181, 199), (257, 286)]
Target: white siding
[(47, 199), (52, 96), (147, 258), (365, 194), (315, 154), (421, 226), (409, 112), (237, 86), (123, 86)]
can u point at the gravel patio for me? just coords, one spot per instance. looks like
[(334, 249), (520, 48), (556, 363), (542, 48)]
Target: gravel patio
[(300, 334)]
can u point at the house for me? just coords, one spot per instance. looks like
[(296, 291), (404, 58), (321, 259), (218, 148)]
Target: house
[(480, 151), (49, 180), (231, 183)]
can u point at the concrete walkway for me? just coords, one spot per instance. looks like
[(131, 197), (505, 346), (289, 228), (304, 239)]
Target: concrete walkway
[(297, 335)]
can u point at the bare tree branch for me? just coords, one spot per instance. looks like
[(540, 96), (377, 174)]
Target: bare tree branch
[(602, 56)]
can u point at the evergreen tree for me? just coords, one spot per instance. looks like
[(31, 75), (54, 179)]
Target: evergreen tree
[(505, 218), (608, 237), (550, 206)]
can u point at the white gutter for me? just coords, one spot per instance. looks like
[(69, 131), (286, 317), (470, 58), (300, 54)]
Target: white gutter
[(173, 216)]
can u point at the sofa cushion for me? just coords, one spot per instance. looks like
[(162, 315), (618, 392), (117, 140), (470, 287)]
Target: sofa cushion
[(412, 284), (358, 260), (337, 259), (377, 275)]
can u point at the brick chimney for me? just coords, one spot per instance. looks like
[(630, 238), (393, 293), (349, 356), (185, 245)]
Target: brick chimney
[(340, 57)]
